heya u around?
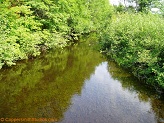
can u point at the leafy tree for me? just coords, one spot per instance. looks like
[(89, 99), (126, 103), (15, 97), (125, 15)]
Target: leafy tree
[(28, 27), (119, 8), (142, 5), (160, 6)]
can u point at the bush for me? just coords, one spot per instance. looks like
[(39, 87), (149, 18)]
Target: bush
[(135, 41), (28, 27)]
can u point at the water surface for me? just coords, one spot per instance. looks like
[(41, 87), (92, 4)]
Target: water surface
[(77, 85)]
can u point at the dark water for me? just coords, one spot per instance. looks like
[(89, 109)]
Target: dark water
[(77, 85)]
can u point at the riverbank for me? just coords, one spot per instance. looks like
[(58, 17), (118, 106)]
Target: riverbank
[(74, 84), (135, 41), (30, 27)]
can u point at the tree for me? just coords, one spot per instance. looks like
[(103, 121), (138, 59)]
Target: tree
[(142, 5), (160, 6)]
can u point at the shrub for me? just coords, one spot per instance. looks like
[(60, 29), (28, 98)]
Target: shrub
[(135, 41), (28, 27)]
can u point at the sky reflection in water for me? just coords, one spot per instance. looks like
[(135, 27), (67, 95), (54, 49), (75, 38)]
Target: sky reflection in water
[(77, 85)]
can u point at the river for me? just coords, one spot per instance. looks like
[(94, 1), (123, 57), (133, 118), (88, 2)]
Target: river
[(76, 85)]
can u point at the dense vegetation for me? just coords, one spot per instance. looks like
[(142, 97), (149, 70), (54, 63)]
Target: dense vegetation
[(134, 37), (29, 27), (135, 41), (45, 85)]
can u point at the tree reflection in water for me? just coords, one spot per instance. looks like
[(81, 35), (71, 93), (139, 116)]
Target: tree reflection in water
[(145, 92), (45, 86)]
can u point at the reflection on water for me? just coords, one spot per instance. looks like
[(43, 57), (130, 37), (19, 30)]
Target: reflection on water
[(77, 85), (105, 100)]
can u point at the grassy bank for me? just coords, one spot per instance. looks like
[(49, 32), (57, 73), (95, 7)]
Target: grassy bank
[(136, 42), (29, 27)]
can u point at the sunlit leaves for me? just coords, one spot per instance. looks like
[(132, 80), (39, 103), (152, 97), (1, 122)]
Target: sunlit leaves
[(28, 26), (135, 41)]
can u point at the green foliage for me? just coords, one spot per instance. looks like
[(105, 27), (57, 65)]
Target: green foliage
[(143, 5), (160, 6), (136, 41), (120, 8), (101, 13), (29, 27), (51, 79)]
